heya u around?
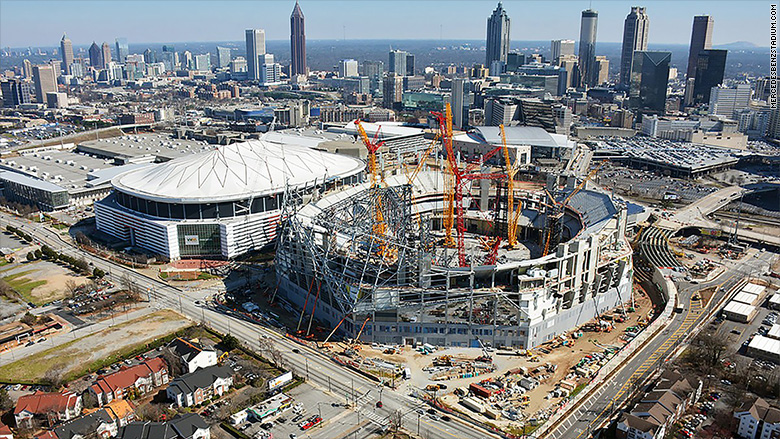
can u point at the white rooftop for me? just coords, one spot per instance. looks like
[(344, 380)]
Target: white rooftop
[(742, 309), (747, 298), (765, 344), (753, 289), (523, 135), (234, 172), (774, 332)]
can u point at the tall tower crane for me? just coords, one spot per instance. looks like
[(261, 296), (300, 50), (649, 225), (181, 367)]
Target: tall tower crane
[(512, 215), (379, 226)]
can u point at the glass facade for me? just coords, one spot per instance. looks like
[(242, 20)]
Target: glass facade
[(649, 81), (199, 240)]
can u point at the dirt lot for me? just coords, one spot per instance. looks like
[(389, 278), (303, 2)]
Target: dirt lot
[(74, 358), (40, 282)]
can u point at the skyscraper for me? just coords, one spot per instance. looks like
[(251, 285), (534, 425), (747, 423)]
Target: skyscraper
[(297, 41), (649, 81), (409, 64), (45, 82), (497, 43), (122, 49), (223, 57), (587, 57), (66, 51), (27, 69), (95, 56), (348, 68), (602, 70), (460, 103), (710, 67), (396, 62), (392, 90), (635, 30), (106, 49), (559, 48), (255, 46), (15, 92), (701, 39)]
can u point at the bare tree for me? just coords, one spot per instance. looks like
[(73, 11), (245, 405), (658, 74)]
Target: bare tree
[(396, 418), (54, 377), (71, 288), (175, 365)]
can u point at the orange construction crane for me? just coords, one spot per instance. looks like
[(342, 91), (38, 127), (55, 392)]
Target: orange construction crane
[(513, 215), (379, 226)]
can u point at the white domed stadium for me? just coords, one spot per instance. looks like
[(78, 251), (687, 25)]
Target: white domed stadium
[(217, 204)]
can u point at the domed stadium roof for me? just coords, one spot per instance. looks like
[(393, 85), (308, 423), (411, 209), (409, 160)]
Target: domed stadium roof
[(235, 172)]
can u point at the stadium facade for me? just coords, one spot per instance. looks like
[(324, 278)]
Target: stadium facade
[(220, 203)]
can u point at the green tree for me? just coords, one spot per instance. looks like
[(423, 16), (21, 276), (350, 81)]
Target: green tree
[(38, 254), (5, 400), (29, 319), (98, 273), (30, 256), (229, 342)]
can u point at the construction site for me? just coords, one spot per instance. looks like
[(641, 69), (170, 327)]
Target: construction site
[(440, 251)]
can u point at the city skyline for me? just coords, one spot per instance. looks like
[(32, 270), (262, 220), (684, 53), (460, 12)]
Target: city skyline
[(329, 23)]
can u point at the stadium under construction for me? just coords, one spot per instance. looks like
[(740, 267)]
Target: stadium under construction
[(452, 253)]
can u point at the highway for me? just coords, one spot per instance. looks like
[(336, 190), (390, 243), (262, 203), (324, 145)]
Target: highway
[(599, 408), (304, 361)]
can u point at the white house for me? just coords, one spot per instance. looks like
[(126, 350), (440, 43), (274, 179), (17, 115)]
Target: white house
[(193, 355), (758, 420)]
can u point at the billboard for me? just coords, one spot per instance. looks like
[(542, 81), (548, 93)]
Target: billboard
[(705, 231), (191, 240), (279, 381)]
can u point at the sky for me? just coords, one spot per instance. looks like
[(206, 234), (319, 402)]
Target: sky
[(39, 23)]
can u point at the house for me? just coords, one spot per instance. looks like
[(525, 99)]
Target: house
[(98, 425), (5, 431), (50, 407), (121, 411), (189, 426), (196, 387), (758, 420), (659, 408), (141, 378), (193, 355)]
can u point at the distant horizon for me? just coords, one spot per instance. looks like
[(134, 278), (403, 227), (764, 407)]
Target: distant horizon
[(286, 41)]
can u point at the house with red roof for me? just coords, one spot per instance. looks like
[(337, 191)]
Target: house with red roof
[(5, 431), (141, 378), (49, 407)]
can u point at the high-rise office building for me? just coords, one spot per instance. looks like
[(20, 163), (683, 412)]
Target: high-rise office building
[(348, 68), (635, 30), (409, 64), (559, 48), (649, 81), (186, 61), (45, 81), (202, 63), (374, 70), (15, 92), (223, 57), (95, 56), (773, 127), (392, 90), (460, 103), (297, 41), (122, 49), (725, 101), (27, 69), (238, 65), (396, 62), (66, 52), (255, 47), (106, 50), (710, 67), (602, 70), (150, 56), (701, 39), (587, 56), (514, 60), (497, 44)]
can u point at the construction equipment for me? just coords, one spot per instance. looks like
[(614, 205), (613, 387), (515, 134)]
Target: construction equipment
[(512, 214), (379, 226), (222, 358), (486, 357), (455, 180), (554, 220)]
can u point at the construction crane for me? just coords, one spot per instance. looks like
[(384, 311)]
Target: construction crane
[(455, 180), (512, 215), (379, 226), (554, 221)]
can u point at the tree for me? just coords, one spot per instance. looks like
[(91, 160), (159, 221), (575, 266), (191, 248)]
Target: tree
[(5, 400), (89, 400), (98, 273), (82, 239), (71, 287), (710, 348), (30, 256), (38, 254), (53, 376), (229, 342), (29, 319), (175, 365)]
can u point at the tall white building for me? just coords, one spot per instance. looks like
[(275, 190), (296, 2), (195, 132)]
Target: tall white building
[(559, 48), (348, 68), (270, 71), (725, 101), (255, 46)]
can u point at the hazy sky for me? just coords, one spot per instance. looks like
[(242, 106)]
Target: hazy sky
[(41, 23)]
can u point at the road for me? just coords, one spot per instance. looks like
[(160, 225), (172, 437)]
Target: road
[(319, 370), (600, 407)]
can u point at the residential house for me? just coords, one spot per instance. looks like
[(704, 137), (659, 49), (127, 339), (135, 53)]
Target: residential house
[(196, 387), (141, 379), (5, 431), (52, 408), (658, 408), (121, 411), (193, 355), (758, 420), (189, 426), (96, 425)]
